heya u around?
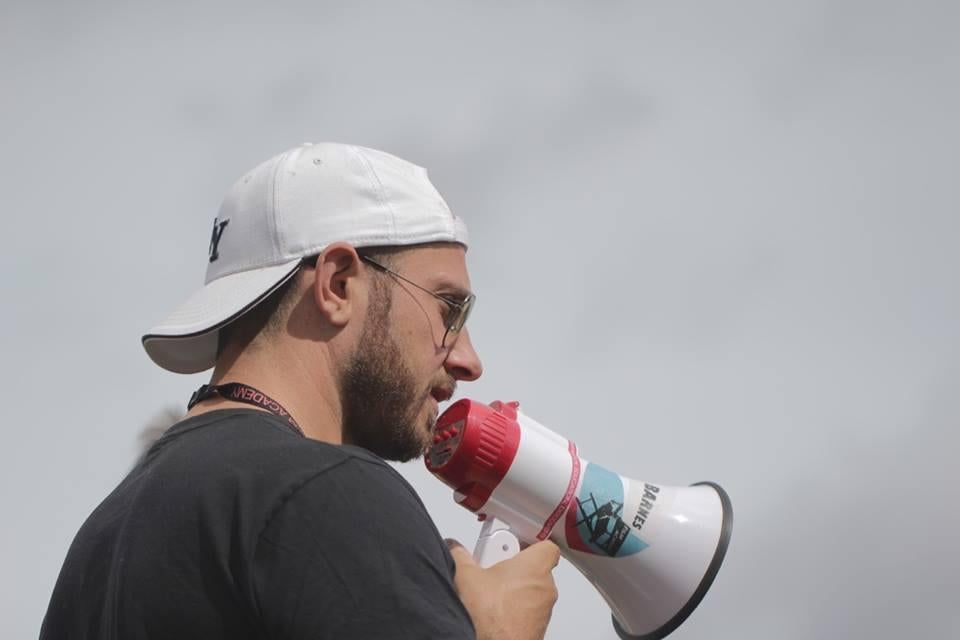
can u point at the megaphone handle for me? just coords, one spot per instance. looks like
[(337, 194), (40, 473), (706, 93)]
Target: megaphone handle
[(496, 543)]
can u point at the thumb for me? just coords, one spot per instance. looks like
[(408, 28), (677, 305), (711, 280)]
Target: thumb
[(460, 554), (541, 554)]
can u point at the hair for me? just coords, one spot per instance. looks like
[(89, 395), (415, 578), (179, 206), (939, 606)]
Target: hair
[(267, 317)]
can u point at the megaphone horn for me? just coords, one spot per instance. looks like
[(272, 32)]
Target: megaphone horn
[(652, 551)]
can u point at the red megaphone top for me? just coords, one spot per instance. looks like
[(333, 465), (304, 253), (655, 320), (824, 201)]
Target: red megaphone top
[(473, 448)]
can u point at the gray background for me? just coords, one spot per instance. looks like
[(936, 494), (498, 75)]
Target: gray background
[(710, 240)]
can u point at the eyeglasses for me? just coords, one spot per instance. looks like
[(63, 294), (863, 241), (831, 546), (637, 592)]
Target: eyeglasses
[(458, 310)]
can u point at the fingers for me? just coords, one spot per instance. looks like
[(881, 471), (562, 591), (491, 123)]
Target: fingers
[(545, 554), (460, 554), (539, 555), (452, 542)]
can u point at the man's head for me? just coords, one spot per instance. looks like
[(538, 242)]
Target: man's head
[(359, 268), (386, 341), (403, 361)]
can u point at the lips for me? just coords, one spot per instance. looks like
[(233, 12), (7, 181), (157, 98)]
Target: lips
[(441, 394)]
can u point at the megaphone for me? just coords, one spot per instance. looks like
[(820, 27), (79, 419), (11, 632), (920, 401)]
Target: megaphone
[(652, 551)]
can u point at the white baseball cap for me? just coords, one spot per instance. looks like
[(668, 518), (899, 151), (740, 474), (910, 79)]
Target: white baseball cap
[(288, 208)]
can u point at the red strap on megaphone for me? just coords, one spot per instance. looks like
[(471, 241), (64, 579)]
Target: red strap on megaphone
[(509, 409), (568, 494)]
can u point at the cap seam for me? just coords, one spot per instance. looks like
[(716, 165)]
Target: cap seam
[(381, 191), (275, 198)]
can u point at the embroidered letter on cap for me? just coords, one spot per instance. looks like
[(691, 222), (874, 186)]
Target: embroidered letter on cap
[(218, 226)]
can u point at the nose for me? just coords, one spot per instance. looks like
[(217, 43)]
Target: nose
[(462, 361)]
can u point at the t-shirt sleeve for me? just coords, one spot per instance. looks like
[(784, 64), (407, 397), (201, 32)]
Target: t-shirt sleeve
[(353, 554)]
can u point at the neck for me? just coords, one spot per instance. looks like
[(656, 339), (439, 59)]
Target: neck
[(308, 393)]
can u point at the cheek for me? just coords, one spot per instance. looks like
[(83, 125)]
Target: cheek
[(418, 339)]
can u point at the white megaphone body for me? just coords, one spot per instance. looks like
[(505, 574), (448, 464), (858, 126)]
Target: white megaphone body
[(651, 551)]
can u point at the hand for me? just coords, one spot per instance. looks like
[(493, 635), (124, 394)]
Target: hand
[(513, 599)]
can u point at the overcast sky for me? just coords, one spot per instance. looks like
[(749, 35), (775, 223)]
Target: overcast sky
[(711, 241)]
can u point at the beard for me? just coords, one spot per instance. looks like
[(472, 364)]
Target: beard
[(379, 394)]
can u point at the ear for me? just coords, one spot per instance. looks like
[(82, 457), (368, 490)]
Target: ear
[(337, 283)]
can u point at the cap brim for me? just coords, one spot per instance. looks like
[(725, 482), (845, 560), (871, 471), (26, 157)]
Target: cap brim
[(186, 342)]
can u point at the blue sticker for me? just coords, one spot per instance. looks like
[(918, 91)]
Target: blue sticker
[(594, 522)]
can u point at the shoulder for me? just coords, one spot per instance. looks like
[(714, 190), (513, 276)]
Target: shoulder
[(361, 487), (356, 543), (250, 466), (258, 458), (240, 442)]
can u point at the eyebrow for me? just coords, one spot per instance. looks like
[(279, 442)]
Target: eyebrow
[(445, 287)]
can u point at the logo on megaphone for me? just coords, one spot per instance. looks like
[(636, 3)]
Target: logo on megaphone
[(595, 524), (651, 551)]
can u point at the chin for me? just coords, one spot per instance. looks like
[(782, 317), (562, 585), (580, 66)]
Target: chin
[(428, 426)]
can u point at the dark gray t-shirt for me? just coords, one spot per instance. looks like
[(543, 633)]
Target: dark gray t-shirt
[(235, 526)]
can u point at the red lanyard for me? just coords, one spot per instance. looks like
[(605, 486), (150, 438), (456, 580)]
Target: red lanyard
[(240, 392)]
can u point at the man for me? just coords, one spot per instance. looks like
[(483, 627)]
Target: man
[(333, 316)]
